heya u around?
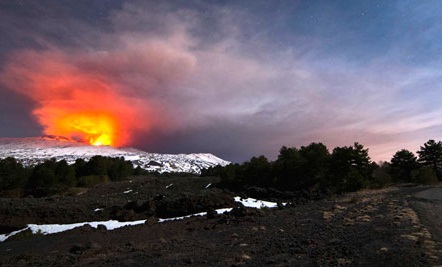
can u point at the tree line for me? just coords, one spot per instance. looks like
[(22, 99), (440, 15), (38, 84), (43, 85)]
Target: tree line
[(345, 169), (311, 167), (51, 176)]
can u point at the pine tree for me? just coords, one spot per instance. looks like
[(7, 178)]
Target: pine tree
[(430, 155), (403, 163)]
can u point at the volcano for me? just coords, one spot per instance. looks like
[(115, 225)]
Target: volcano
[(33, 150)]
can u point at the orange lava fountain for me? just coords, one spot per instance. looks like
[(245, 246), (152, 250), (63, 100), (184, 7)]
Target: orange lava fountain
[(95, 128), (96, 98)]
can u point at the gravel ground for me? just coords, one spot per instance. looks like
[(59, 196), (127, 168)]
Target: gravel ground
[(396, 226)]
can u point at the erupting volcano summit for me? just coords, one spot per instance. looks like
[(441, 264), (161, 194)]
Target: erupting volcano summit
[(33, 150), (94, 128)]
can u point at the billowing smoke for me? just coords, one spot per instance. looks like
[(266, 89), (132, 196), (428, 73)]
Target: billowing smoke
[(194, 76), (101, 97)]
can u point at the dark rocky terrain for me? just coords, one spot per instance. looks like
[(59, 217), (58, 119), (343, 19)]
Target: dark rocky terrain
[(396, 226)]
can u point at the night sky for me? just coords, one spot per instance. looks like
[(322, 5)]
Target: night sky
[(233, 78)]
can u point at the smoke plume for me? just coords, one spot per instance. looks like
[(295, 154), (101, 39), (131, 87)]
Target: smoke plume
[(101, 97)]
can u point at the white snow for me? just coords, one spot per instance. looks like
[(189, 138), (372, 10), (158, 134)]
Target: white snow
[(169, 186), (255, 203), (112, 224), (207, 186), (218, 211), (46, 229), (3, 237), (127, 191), (34, 150)]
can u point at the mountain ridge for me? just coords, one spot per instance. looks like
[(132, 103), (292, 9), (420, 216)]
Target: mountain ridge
[(33, 150)]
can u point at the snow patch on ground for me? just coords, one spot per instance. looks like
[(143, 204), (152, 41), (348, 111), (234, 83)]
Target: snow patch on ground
[(218, 211), (255, 203), (46, 229)]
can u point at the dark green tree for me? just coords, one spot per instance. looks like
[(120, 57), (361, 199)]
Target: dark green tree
[(65, 174), (288, 168), (315, 164), (350, 168), (361, 160), (214, 171), (233, 174), (97, 165), (430, 155), (43, 180), (80, 167), (403, 163), (424, 175), (138, 171), (380, 176), (258, 171), (118, 169), (12, 174), (101, 169)]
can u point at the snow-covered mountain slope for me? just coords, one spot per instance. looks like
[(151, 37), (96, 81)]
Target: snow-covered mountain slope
[(33, 150)]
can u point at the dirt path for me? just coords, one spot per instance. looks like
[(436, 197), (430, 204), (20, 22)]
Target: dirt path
[(428, 205), (432, 194)]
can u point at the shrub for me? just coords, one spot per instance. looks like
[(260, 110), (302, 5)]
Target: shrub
[(354, 181), (380, 178), (424, 175), (12, 174), (92, 180)]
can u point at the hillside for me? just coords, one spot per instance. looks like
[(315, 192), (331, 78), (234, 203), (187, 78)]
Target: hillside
[(33, 150)]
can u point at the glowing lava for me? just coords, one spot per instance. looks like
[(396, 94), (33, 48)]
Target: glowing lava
[(88, 97), (94, 128)]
